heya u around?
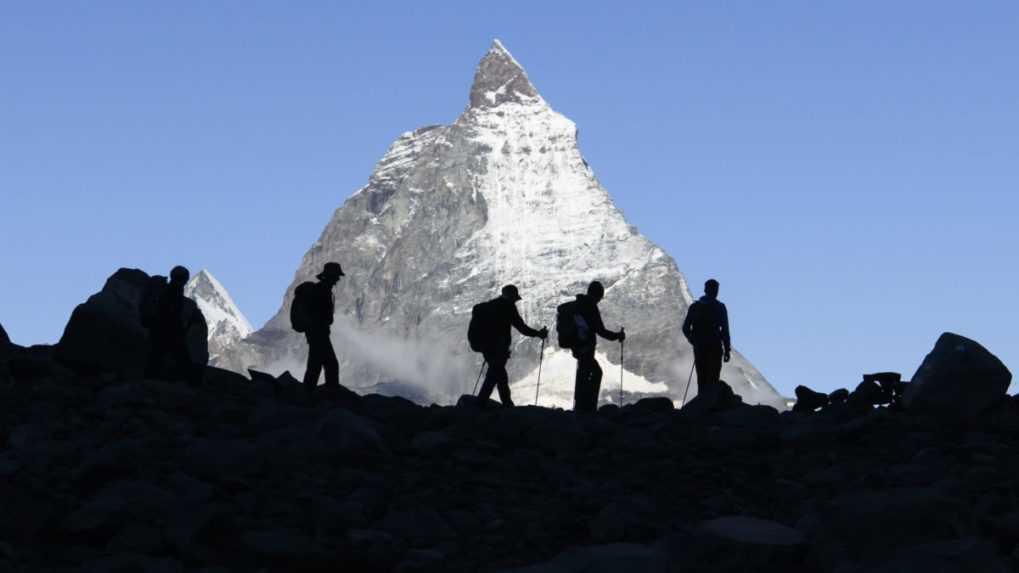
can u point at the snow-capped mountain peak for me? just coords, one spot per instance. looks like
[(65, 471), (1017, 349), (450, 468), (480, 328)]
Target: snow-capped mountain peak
[(227, 324), (500, 79), (450, 214)]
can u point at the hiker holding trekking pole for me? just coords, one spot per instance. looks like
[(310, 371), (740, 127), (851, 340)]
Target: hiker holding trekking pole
[(579, 325), (489, 333)]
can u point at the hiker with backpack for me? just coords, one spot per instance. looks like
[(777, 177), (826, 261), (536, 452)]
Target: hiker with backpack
[(171, 318), (707, 328), (489, 333), (311, 313), (579, 325)]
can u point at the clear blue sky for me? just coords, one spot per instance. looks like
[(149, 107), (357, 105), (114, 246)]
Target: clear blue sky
[(848, 170)]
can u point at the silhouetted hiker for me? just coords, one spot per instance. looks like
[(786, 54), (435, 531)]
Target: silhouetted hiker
[(168, 315), (311, 313), (579, 325), (489, 333), (707, 328)]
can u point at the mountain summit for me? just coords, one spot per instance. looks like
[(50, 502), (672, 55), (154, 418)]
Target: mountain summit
[(227, 325), (500, 79), (452, 213)]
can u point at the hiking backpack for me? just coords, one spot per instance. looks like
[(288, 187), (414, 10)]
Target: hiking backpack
[(481, 328), (300, 309), (571, 326)]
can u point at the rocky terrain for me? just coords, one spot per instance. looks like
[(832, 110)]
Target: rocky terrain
[(103, 471)]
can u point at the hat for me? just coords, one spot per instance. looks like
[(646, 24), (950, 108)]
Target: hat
[(511, 292), (331, 271)]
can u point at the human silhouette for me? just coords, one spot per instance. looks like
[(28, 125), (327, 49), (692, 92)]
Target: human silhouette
[(588, 326), (500, 314), (311, 313), (169, 315), (707, 328)]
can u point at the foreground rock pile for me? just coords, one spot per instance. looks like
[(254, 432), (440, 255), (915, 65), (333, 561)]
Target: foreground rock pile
[(111, 473)]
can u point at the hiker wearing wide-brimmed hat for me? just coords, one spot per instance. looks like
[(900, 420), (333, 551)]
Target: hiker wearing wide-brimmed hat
[(312, 314), (489, 334)]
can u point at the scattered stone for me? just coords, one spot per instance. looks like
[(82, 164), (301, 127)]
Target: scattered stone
[(808, 400)]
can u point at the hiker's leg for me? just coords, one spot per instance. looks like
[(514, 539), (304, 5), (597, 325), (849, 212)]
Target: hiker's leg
[(331, 365), (495, 363), (314, 365), (502, 383), (595, 384), (578, 385), (709, 363), (586, 368), (715, 364)]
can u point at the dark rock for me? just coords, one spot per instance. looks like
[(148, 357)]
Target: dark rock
[(420, 527), (751, 530), (658, 404), (347, 433), (838, 396), (956, 556), (758, 417), (886, 380), (125, 562), (105, 332), (611, 558), (5, 341), (623, 520), (959, 379), (284, 547), (869, 393), (737, 543), (865, 527), (373, 550), (808, 400)]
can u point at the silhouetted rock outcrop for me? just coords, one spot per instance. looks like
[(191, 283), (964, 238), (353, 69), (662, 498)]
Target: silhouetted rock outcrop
[(5, 341), (958, 379), (105, 333)]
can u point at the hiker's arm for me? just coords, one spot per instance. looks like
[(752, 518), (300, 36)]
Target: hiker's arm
[(725, 330), (688, 323), (599, 327), (519, 324)]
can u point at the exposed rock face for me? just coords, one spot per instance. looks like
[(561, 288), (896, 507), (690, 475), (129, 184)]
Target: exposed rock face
[(5, 341), (450, 215), (958, 379), (105, 333), (226, 323)]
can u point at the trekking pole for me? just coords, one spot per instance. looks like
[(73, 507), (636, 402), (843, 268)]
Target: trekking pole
[(541, 357), (688, 379), (475, 392), (622, 343)]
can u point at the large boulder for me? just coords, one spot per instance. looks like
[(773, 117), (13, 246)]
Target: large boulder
[(958, 379), (105, 333)]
